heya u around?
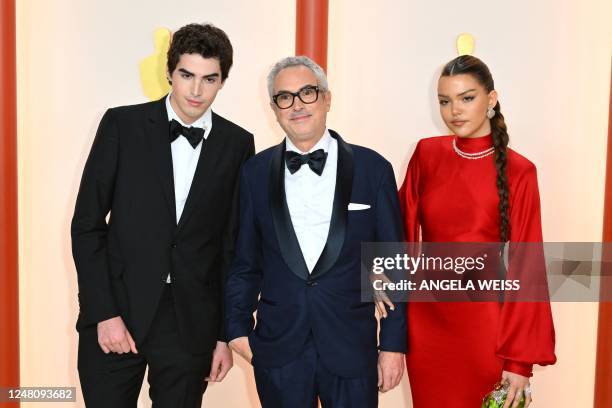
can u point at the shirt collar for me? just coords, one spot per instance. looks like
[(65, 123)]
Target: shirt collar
[(323, 143), (204, 121)]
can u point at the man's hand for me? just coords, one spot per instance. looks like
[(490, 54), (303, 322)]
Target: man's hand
[(390, 370), (518, 384), (241, 346), (222, 361), (114, 336)]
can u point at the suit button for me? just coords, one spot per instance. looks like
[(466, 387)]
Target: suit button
[(311, 283), (173, 246)]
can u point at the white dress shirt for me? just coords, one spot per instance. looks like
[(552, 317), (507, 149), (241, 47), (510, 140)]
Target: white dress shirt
[(310, 199), (185, 159)]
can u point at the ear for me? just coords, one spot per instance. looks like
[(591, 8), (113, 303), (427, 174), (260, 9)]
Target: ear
[(327, 100), (492, 98), (168, 77)]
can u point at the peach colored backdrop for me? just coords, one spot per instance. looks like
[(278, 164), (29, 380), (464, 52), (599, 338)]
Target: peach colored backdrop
[(551, 61)]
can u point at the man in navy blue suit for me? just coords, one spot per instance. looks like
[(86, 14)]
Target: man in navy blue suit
[(306, 205)]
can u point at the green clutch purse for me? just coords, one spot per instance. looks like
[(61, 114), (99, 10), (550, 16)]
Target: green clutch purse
[(497, 397)]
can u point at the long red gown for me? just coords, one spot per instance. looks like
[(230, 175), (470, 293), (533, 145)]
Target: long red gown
[(457, 351)]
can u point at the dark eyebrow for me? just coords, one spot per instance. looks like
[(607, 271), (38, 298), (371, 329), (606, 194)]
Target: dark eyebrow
[(214, 75), (184, 71), (301, 89), (462, 93)]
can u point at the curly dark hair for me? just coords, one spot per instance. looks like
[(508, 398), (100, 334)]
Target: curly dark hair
[(204, 39)]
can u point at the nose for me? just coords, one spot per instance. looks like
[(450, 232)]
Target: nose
[(298, 105), (455, 109), (196, 88)]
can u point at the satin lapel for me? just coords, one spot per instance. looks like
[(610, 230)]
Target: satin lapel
[(211, 152), (285, 234), (342, 197), (158, 130)]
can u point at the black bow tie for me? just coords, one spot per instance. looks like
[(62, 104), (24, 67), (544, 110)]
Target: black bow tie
[(193, 134), (315, 160)]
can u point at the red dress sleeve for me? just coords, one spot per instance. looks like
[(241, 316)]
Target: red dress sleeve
[(409, 198), (526, 334)]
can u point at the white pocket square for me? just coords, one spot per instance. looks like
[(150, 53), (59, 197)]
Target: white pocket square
[(356, 206)]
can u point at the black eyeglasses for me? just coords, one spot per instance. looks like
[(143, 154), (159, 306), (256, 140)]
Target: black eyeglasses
[(308, 94)]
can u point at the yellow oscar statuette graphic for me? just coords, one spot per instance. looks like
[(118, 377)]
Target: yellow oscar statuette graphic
[(465, 44), (153, 68)]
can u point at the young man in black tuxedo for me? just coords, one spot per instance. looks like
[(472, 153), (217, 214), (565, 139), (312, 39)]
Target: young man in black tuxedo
[(151, 279)]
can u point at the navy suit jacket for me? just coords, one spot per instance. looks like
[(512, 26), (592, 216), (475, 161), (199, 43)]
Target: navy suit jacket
[(327, 302)]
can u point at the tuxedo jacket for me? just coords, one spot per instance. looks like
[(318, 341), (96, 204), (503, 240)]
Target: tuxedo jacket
[(122, 264), (326, 303)]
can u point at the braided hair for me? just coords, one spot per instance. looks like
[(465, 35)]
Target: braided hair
[(467, 64)]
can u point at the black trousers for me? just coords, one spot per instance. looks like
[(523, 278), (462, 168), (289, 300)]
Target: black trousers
[(176, 377)]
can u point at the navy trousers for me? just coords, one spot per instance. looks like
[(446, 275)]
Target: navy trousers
[(302, 382)]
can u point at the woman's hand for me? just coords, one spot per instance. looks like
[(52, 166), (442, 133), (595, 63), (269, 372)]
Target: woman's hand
[(518, 386), (380, 296)]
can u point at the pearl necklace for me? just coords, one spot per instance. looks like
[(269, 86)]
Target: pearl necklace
[(473, 156)]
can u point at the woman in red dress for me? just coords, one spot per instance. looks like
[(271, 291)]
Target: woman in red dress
[(470, 187)]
